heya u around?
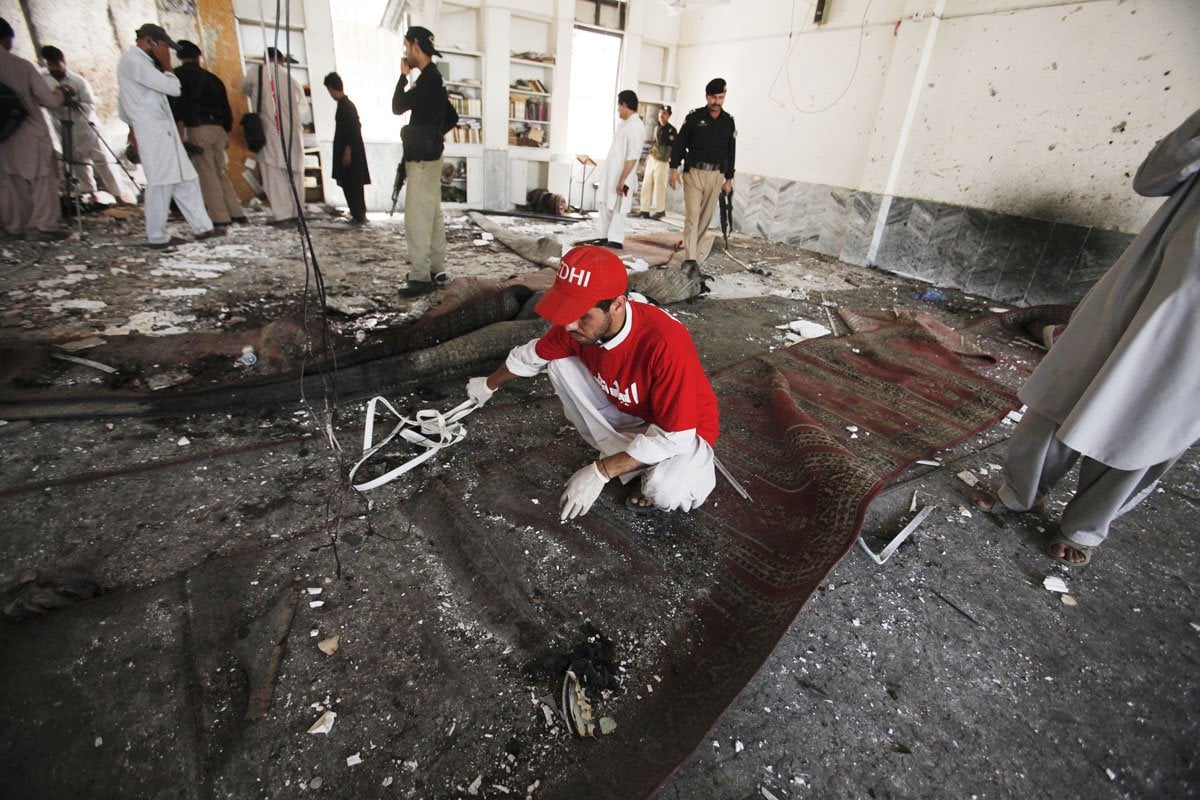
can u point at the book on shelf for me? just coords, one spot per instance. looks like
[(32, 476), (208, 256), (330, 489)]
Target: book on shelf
[(470, 132), (530, 85), (468, 106), (522, 107)]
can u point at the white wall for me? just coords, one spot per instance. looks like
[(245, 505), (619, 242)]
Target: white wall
[(1016, 113)]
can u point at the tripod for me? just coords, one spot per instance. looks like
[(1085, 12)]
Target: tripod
[(70, 182), (116, 160)]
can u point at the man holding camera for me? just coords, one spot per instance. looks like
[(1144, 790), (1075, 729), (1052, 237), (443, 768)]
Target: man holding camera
[(146, 80), (79, 132)]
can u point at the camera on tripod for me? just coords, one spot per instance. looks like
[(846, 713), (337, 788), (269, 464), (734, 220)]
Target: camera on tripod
[(70, 99)]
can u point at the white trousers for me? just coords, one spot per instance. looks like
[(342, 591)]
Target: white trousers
[(279, 190), (683, 481), (91, 161), (610, 224), (187, 197)]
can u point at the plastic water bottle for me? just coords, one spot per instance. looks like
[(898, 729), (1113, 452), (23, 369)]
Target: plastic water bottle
[(248, 358)]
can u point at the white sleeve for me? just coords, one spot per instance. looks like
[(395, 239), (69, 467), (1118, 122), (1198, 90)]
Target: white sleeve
[(148, 75), (633, 143), (657, 445), (523, 360)]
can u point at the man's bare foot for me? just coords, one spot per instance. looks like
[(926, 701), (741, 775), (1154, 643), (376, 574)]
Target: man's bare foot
[(641, 505), (1068, 552)]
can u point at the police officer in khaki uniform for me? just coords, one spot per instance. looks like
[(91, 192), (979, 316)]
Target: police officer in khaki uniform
[(654, 185), (705, 146)]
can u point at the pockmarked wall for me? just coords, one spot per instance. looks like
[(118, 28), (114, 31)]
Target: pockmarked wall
[(988, 145)]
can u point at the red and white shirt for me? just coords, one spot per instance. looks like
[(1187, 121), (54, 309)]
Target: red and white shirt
[(650, 369)]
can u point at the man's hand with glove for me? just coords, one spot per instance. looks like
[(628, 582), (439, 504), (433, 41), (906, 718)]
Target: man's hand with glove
[(477, 390), (582, 490)]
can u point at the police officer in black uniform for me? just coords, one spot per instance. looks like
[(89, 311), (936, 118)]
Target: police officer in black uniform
[(705, 146)]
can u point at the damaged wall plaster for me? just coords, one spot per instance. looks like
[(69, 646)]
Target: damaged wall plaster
[(1038, 110)]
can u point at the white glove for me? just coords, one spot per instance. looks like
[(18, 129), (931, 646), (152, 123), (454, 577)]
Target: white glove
[(477, 390), (582, 490)]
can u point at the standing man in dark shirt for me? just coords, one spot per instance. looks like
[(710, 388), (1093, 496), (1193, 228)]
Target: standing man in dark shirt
[(424, 226), (654, 185), (349, 152), (705, 146), (203, 109)]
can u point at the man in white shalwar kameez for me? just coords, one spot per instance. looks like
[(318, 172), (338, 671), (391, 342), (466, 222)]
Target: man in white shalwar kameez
[(283, 108), (91, 160), (1121, 386), (146, 79), (618, 178), (28, 170)]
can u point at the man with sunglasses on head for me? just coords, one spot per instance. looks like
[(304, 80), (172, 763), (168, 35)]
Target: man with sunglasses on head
[(630, 381)]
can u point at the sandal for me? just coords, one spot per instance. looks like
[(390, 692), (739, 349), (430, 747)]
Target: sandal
[(1084, 550)]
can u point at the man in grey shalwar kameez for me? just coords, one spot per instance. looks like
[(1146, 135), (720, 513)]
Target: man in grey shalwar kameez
[(280, 163), (1120, 387), (28, 170)]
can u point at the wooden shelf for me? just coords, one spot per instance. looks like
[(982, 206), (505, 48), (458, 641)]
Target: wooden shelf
[(526, 62), (529, 121), (528, 92)]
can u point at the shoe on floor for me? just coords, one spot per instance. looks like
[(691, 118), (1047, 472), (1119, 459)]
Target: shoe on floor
[(209, 234), (240, 221), (290, 222), (174, 241), (689, 264), (614, 245), (417, 289), (659, 215)]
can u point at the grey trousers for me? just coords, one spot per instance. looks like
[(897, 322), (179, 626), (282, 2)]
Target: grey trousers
[(279, 190), (29, 203), (1037, 460)]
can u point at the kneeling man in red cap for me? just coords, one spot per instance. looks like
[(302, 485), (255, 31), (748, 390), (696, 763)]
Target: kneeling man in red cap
[(630, 381)]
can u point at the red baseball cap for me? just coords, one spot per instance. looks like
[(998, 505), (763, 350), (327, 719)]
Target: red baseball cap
[(585, 275)]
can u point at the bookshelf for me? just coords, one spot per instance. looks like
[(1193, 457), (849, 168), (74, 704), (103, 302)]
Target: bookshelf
[(462, 74), (529, 86)]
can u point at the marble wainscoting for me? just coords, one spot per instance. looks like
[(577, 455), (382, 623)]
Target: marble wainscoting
[(1013, 259)]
